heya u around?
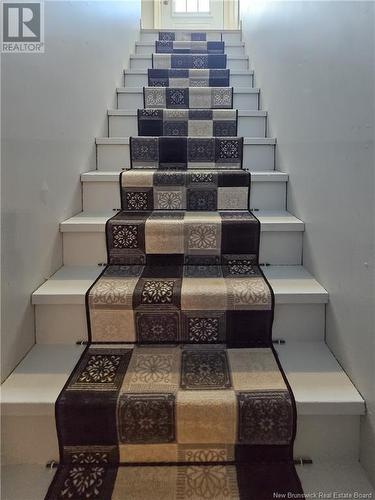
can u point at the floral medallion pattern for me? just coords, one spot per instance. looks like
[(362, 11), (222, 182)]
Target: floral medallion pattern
[(83, 482), (136, 200), (229, 149), (265, 417), (100, 368), (202, 178), (202, 236), (169, 200), (190, 78), (125, 236), (157, 327), (145, 148), (152, 368), (244, 267), (111, 291), (146, 418), (157, 292), (202, 199), (203, 330), (207, 482), (248, 292), (205, 370)]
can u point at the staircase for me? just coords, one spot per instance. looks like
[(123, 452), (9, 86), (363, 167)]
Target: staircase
[(328, 405)]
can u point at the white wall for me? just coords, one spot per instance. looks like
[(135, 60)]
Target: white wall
[(53, 106), (314, 62)]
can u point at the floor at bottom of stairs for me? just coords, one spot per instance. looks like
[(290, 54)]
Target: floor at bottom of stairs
[(320, 480)]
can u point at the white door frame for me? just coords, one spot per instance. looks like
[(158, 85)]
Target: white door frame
[(230, 13)]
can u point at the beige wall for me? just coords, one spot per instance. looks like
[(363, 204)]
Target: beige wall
[(314, 62), (148, 14), (53, 106)]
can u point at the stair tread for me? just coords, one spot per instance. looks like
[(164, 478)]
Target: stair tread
[(270, 220), (236, 90), (227, 44), (319, 384), (291, 284), (232, 72), (125, 140), (32, 481), (104, 176), (190, 30), (133, 112), (148, 56)]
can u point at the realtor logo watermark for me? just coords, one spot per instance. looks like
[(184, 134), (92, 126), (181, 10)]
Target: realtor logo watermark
[(23, 27)]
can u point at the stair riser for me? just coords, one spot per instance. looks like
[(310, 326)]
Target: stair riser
[(126, 126), (32, 439), (231, 51), (211, 36), (67, 323), (89, 248), (131, 80), (143, 62), (113, 157), (98, 196), (134, 100)]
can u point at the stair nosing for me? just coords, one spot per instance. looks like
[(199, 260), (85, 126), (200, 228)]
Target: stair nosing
[(139, 90), (108, 141), (74, 225), (51, 292), (246, 72), (107, 176)]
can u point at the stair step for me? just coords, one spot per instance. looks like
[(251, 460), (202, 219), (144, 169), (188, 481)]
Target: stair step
[(228, 36), (232, 49), (95, 222), (323, 393), (138, 78), (60, 312), (144, 62), (246, 98), (124, 123), (84, 238), (31, 481), (113, 153), (101, 190), (291, 284)]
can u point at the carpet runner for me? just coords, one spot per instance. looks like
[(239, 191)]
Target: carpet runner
[(171, 36), (188, 77), (188, 98), (199, 189), (187, 61), (182, 153), (187, 122), (179, 394), (191, 47)]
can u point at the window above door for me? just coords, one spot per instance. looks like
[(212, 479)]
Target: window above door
[(191, 7)]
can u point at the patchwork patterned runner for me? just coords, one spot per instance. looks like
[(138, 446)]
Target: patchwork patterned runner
[(180, 395), (194, 405), (197, 61), (199, 236), (188, 77), (168, 302), (148, 190), (190, 97), (182, 36), (168, 47), (183, 122), (181, 153)]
